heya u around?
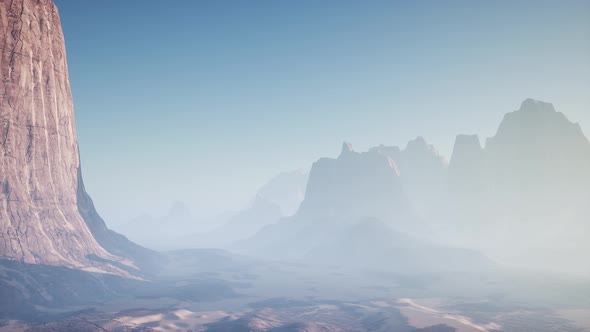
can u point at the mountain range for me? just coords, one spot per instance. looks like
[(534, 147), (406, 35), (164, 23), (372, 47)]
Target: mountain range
[(399, 210), (278, 198), (528, 186)]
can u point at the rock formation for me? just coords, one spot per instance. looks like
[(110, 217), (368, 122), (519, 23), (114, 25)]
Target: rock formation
[(537, 156), (46, 217), (355, 185), (342, 194), (354, 208), (528, 187), (422, 172), (538, 153)]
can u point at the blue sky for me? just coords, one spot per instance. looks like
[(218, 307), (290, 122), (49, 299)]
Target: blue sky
[(203, 101)]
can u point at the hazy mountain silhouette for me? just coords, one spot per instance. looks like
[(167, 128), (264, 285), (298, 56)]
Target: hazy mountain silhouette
[(285, 190), (280, 197), (538, 153), (353, 210), (355, 185), (179, 228), (422, 172), (528, 186)]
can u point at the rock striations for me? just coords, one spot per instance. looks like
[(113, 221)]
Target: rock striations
[(42, 195)]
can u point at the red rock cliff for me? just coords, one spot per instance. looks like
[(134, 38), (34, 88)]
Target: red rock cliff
[(40, 185)]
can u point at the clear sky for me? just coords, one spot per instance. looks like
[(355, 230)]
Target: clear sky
[(204, 101)]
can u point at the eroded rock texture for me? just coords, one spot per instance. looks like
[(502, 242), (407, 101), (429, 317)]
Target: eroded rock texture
[(40, 220)]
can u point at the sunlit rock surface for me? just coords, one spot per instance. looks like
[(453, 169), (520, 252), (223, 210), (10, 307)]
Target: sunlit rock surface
[(41, 190)]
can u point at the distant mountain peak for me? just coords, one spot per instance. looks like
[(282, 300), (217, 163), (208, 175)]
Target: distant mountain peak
[(538, 121), (420, 147), (536, 153), (533, 105), (179, 209), (346, 148), (418, 143)]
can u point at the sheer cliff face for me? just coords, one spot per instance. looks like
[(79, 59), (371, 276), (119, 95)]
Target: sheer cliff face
[(39, 217)]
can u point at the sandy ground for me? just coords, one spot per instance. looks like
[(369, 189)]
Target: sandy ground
[(422, 316), (580, 316)]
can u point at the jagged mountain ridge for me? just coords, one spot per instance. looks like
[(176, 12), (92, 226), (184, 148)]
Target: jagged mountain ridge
[(527, 187), (355, 184), (422, 172), (537, 149), (536, 154), (531, 178), (349, 201)]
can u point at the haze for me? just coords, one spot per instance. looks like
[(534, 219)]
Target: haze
[(308, 166), (204, 102)]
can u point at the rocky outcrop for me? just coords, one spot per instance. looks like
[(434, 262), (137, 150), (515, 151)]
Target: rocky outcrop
[(537, 154), (354, 208), (355, 185), (340, 193), (45, 215), (422, 171)]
